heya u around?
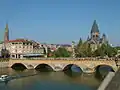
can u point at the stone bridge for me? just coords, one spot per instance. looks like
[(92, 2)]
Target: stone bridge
[(86, 66)]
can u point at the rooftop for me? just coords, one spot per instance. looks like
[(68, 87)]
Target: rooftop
[(22, 40), (94, 27)]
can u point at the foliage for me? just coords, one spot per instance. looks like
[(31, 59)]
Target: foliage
[(5, 53), (117, 47), (83, 49), (80, 42), (105, 50), (61, 52)]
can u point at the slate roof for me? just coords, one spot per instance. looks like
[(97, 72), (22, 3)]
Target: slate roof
[(94, 27)]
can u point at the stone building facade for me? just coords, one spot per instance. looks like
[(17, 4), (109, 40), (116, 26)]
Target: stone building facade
[(20, 47)]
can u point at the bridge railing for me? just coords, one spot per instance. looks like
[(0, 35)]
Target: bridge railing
[(64, 59)]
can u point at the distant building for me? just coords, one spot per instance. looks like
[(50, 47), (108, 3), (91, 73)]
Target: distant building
[(95, 40), (20, 48), (68, 47)]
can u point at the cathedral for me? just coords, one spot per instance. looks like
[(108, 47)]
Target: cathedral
[(95, 40)]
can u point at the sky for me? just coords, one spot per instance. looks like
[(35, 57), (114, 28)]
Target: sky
[(60, 21)]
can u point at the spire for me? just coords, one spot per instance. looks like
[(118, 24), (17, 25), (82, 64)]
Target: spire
[(94, 27), (88, 38), (6, 28), (103, 36), (6, 35)]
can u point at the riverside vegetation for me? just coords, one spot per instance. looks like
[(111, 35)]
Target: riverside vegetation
[(82, 49)]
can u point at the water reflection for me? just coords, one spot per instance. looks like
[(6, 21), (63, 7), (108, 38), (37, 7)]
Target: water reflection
[(102, 71), (54, 80), (18, 66), (38, 79), (44, 68)]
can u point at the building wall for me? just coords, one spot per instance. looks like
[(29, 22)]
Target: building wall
[(1, 46), (19, 48)]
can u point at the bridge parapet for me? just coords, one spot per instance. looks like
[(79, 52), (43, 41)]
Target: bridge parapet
[(64, 59)]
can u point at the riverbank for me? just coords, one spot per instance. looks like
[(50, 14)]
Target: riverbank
[(106, 81)]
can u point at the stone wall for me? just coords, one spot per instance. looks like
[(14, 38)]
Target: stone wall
[(4, 64)]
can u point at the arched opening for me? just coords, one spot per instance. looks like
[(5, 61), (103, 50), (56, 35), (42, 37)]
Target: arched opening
[(102, 70), (44, 68), (72, 70), (18, 66)]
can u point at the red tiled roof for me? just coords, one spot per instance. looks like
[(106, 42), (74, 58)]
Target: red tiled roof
[(23, 40), (18, 40), (53, 48)]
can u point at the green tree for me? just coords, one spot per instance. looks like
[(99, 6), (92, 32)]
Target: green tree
[(83, 49), (62, 52), (78, 49), (99, 52), (105, 50), (86, 50), (110, 51), (80, 42), (5, 53)]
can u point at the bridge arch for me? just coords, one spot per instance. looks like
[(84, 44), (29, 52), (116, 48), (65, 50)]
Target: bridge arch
[(104, 65), (44, 66), (69, 66), (17, 65)]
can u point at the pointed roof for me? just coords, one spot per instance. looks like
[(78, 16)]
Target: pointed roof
[(94, 27), (6, 28), (104, 35)]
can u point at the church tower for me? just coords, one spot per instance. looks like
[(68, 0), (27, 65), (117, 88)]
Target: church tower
[(95, 34), (6, 35)]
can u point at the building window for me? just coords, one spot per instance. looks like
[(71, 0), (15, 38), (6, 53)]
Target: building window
[(18, 56), (13, 56)]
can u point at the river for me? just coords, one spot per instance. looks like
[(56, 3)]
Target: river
[(49, 81)]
